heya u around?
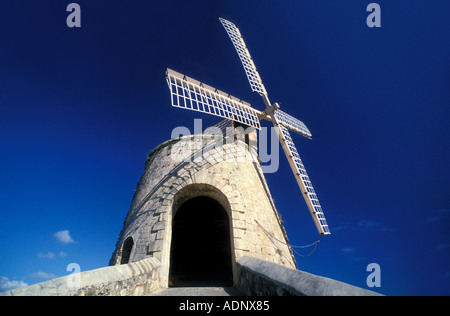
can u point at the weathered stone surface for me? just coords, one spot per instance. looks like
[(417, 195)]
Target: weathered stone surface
[(258, 277), (197, 291), (133, 279)]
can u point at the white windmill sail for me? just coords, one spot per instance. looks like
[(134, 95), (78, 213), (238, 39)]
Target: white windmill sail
[(303, 180), (191, 94), (244, 55), (282, 122), (292, 123)]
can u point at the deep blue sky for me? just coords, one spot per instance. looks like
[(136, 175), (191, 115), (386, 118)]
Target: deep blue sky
[(81, 108)]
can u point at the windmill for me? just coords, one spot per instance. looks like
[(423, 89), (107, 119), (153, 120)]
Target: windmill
[(194, 95)]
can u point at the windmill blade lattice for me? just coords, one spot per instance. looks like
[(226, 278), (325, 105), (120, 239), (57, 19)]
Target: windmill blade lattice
[(303, 180), (190, 94), (244, 55), (292, 123), (282, 122)]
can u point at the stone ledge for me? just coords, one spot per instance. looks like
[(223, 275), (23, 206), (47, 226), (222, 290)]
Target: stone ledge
[(256, 277), (137, 278)]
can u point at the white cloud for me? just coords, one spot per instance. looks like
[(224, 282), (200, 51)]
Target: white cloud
[(442, 246), (64, 237), (43, 275), (366, 224), (51, 255), (439, 215), (7, 285), (348, 250), (338, 228), (370, 225), (48, 255)]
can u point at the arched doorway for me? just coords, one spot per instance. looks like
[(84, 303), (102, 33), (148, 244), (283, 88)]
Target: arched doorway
[(200, 248)]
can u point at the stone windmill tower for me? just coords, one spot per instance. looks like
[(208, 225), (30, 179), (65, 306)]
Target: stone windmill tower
[(200, 215), (203, 201)]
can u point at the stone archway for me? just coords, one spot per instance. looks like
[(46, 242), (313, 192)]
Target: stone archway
[(200, 253), (126, 250)]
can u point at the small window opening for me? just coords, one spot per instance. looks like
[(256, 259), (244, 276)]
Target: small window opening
[(126, 250)]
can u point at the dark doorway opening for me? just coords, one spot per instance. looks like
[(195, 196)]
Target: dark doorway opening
[(126, 250), (200, 249)]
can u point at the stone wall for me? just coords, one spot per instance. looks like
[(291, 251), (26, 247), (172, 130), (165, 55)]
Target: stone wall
[(133, 279), (262, 278)]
